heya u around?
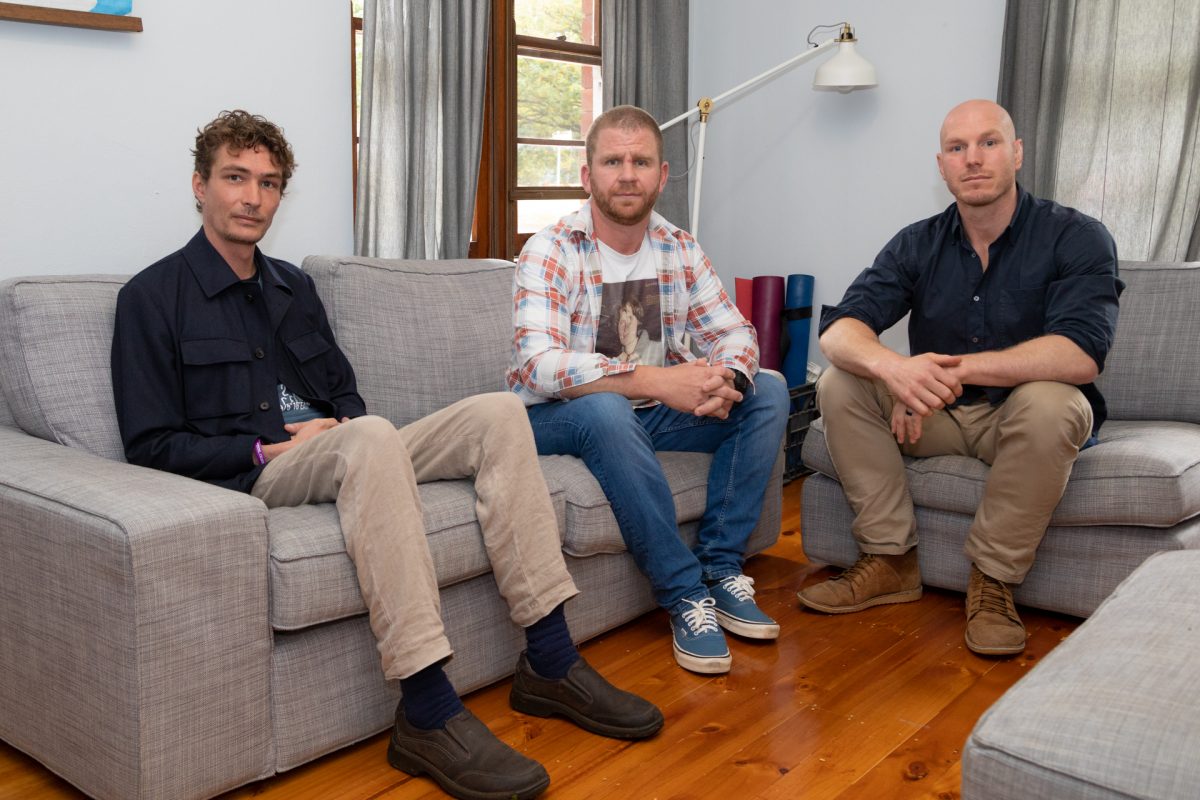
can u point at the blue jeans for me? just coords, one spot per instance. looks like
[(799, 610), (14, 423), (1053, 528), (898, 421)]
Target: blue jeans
[(617, 443)]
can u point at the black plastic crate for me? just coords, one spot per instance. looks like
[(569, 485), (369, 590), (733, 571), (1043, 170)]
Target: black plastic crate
[(803, 411)]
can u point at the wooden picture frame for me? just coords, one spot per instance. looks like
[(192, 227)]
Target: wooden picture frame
[(19, 12)]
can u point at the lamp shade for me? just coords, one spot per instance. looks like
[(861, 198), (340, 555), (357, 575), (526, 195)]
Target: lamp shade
[(847, 70)]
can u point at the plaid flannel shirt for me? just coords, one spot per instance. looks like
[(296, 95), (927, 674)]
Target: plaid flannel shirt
[(557, 289)]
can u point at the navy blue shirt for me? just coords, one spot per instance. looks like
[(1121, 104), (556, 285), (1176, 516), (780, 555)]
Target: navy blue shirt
[(1052, 271), (198, 356)]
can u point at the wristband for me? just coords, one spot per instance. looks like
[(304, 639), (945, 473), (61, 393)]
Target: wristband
[(259, 458)]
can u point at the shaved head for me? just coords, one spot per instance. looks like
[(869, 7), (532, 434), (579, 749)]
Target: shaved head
[(979, 155), (979, 110)]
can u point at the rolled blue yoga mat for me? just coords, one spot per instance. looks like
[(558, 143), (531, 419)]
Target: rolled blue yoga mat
[(797, 315)]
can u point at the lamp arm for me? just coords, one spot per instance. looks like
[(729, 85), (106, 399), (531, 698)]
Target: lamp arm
[(799, 58), (704, 107)]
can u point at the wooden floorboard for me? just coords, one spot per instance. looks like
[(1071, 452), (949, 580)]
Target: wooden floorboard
[(870, 705)]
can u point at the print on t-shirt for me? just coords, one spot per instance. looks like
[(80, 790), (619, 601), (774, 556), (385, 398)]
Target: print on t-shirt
[(630, 327)]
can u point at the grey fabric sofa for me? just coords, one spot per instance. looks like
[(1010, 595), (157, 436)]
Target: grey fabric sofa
[(164, 638), (1135, 493), (1109, 714)]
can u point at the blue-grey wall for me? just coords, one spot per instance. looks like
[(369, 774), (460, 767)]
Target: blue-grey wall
[(817, 182), (95, 169)]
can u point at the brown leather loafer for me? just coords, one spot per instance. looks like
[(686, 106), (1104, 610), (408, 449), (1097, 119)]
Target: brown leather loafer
[(465, 759), (585, 698)]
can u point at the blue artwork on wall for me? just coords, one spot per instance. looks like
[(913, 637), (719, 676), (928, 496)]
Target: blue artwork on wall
[(119, 7)]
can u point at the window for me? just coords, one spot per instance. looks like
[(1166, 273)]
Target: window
[(356, 51), (543, 93)]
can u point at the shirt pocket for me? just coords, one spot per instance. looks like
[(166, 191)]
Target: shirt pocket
[(308, 346), (1022, 315), (309, 354), (216, 378)]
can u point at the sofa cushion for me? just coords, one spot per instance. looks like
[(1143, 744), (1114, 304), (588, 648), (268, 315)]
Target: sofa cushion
[(314, 581), (1110, 712), (1153, 369), (55, 342), (591, 527), (420, 334), (1141, 473)]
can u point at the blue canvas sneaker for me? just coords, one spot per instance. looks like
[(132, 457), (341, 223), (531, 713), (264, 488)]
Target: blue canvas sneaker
[(736, 611), (699, 644)]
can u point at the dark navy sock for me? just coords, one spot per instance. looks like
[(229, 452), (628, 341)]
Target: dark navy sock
[(549, 647), (429, 698)]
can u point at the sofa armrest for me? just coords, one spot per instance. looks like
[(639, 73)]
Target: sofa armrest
[(134, 635)]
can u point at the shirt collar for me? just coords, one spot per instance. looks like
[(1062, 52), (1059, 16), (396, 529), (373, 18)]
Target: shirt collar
[(580, 223), (1014, 225), (214, 274)]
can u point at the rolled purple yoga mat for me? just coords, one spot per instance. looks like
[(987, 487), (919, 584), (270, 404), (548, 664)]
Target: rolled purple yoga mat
[(767, 313)]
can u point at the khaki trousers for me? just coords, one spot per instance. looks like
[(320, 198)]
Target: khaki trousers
[(1030, 440), (371, 471)]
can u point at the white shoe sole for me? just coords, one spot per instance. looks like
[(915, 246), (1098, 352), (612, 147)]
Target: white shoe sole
[(713, 665), (751, 630)]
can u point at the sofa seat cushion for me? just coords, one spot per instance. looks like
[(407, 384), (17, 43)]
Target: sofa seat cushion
[(1141, 474), (1110, 712), (591, 527), (313, 580)]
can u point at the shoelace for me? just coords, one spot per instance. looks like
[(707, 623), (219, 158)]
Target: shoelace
[(701, 618), (857, 573), (993, 597), (740, 586)]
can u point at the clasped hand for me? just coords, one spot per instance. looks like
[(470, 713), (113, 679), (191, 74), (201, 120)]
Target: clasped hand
[(302, 431), (924, 383), (920, 385), (699, 389)]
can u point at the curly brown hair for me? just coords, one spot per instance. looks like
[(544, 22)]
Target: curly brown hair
[(240, 130)]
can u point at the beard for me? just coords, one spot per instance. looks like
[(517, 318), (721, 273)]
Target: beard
[(625, 215)]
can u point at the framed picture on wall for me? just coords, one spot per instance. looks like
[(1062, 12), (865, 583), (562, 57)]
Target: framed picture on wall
[(112, 15)]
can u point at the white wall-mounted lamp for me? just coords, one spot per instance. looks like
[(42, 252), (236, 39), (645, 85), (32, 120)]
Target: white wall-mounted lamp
[(846, 71)]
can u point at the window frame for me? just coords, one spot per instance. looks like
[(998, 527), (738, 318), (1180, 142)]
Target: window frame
[(495, 232), (356, 27), (494, 229)]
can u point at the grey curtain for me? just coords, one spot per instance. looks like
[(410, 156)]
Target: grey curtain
[(1106, 96), (421, 128), (645, 50)]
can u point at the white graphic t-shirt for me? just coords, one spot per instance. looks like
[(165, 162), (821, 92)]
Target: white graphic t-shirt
[(630, 326)]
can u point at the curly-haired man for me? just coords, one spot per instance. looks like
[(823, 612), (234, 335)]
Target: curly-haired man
[(225, 369)]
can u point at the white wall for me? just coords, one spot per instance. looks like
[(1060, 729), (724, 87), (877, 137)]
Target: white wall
[(96, 129), (818, 182)]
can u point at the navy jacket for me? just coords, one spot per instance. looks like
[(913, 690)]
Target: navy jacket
[(197, 357), (1052, 271)]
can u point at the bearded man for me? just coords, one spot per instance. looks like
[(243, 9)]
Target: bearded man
[(571, 282)]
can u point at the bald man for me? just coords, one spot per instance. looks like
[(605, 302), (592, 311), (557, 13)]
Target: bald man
[(1013, 304)]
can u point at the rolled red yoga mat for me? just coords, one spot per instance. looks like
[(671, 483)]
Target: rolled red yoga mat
[(766, 317), (743, 295)]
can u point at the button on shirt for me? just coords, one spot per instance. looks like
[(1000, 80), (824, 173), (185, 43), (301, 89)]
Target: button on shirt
[(1052, 271)]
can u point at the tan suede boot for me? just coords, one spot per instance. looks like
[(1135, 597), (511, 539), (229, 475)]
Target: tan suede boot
[(874, 580), (993, 627)]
